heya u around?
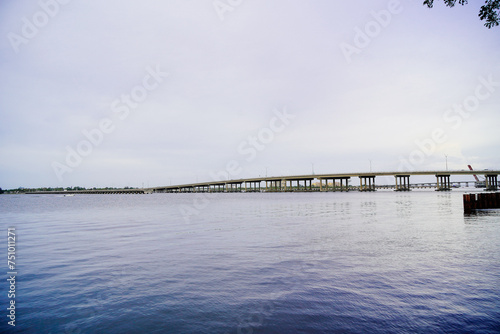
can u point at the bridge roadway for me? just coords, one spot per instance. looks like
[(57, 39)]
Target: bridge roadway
[(92, 191), (339, 182)]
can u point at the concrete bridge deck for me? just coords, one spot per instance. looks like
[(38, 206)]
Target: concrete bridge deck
[(339, 182)]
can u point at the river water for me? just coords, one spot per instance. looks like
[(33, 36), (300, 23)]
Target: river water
[(383, 262)]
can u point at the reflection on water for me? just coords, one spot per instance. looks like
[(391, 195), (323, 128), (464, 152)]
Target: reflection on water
[(368, 209), (403, 202), (445, 203)]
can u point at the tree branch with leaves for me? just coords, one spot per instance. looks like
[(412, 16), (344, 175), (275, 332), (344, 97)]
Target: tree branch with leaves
[(489, 12)]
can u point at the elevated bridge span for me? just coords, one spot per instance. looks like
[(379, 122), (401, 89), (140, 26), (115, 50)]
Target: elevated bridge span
[(328, 182)]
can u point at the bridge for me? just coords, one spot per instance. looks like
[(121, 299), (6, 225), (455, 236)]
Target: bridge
[(92, 191), (330, 182), (327, 182)]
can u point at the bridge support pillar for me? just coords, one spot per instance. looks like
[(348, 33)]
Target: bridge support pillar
[(491, 182), (402, 182), (367, 183), (235, 187), (443, 182), (299, 187), (340, 186), (252, 186), (274, 185)]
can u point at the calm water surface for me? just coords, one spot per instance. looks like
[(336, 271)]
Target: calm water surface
[(381, 262)]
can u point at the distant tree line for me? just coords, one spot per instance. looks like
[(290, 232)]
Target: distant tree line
[(22, 190)]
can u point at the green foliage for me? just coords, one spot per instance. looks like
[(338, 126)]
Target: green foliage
[(489, 12), (449, 3), (1, 191)]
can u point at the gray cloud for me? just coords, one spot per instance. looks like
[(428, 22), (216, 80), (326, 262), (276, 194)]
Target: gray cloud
[(226, 78)]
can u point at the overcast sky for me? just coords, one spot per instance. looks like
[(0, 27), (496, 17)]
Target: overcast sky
[(131, 93)]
